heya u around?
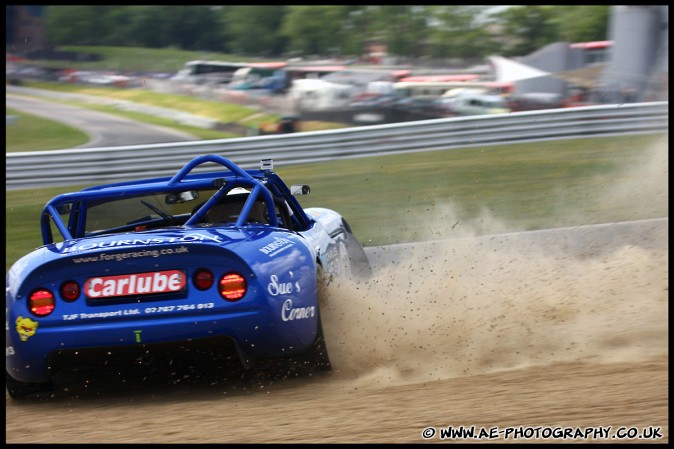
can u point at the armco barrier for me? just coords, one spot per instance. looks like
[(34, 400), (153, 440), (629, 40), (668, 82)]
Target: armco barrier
[(112, 164)]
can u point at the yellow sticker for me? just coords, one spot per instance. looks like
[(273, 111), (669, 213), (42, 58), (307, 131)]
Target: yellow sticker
[(25, 327)]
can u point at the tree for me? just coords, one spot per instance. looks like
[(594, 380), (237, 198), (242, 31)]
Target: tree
[(460, 32), (403, 28), (314, 30), (186, 27), (193, 27), (78, 25), (255, 30), (579, 23), (527, 28), (355, 31), (441, 31)]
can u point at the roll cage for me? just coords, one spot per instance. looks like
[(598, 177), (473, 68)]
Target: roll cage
[(264, 186)]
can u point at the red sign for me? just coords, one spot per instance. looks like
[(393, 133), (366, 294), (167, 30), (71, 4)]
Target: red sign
[(135, 284)]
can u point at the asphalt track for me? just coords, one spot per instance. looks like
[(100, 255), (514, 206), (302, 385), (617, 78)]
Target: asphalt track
[(558, 336), (104, 130)]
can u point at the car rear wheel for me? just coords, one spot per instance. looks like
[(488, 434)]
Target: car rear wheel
[(21, 390), (316, 358)]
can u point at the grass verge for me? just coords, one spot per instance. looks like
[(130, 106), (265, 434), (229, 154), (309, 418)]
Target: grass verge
[(453, 193)]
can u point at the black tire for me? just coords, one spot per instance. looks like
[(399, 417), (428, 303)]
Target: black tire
[(316, 358), (21, 390)]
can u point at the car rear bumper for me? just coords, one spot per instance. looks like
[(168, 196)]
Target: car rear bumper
[(254, 333)]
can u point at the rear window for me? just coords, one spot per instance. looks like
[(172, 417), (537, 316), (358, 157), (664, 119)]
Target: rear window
[(123, 212)]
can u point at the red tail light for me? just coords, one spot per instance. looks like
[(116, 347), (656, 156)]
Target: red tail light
[(203, 279), (70, 291), (232, 286), (41, 302)]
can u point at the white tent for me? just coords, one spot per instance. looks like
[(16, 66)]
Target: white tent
[(508, 70)]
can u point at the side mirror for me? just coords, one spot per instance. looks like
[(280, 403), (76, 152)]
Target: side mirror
[(299, 189)]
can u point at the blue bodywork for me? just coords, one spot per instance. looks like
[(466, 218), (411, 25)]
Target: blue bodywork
[(138, 278)]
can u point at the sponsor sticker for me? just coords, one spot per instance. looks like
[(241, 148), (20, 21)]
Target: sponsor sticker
[(25, 327), (168, 281), (290, 313), (279, 244), (187, 238)]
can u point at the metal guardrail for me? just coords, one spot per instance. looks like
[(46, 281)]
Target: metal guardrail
[(113, 164)]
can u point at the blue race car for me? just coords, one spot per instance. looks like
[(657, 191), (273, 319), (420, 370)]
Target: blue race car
[(203, 256)]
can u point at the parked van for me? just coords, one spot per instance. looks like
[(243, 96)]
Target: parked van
[(473, 102)]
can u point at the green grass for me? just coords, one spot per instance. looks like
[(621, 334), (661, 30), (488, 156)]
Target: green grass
[(451, 193), (206, 108), (427, 196), (136, 59), (32, 133)]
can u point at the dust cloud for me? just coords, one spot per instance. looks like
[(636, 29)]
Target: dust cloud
[(473, 305), (644, 187)]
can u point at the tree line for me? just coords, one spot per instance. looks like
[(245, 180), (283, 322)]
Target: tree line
[(432, 31)]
